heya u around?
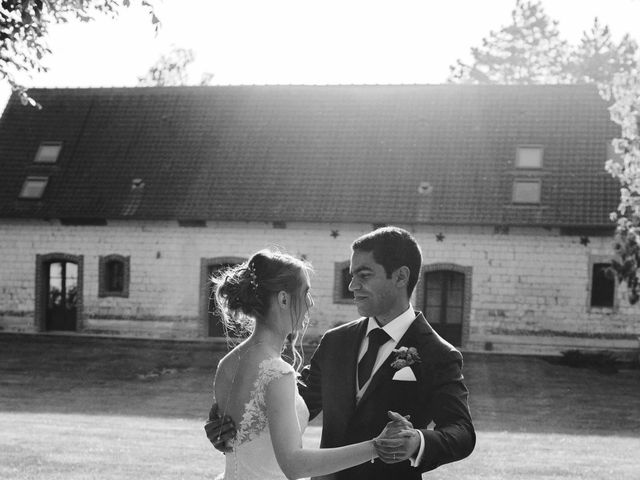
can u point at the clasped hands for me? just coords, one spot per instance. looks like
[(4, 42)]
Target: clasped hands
[(220, 429), (398, 441)]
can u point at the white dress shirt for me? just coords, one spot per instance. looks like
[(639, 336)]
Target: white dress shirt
[(396, 329)]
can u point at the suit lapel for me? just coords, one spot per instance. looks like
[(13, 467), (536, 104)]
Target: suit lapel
[(415, 336)]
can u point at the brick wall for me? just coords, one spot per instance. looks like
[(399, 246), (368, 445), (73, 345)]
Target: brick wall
[(529, 288)]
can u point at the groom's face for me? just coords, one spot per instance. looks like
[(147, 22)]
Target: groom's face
[(375, 295)]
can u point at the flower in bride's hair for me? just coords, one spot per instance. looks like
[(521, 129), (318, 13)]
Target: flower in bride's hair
[(253, 278), (403, 357)]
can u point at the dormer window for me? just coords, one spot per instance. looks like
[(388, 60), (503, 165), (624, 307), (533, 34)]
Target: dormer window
[(33, 187), (529, 157), (526, 191), (527, 182), (48, 152)]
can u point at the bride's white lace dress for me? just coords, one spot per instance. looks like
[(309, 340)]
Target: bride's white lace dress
[(253, 457)]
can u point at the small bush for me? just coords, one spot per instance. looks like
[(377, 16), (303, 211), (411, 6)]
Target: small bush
[(601, 361)]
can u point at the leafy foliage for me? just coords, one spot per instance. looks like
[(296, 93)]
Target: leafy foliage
[(24, 27), (598, 58), (624, 90), (172, 69), (531, 51)]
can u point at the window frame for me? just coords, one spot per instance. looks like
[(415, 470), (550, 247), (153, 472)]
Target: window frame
[(41, 295), (103, 291), (33, 178), (521, 180), (41, 160), (445, 307), (518, 163), (338, 283), (467, 271)]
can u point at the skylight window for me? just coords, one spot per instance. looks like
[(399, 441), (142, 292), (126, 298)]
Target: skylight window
[(529, 157), (526, 191), (33, 187), (48, 152)]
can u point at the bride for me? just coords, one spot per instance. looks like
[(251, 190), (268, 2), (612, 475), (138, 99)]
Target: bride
[(255, 387)]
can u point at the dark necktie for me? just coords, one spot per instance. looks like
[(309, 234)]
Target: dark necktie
[(377, 337)]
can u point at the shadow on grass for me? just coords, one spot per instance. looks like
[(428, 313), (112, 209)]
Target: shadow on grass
[(529, 394), (88, 375)]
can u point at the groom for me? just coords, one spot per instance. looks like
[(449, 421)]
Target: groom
[(361, 371)]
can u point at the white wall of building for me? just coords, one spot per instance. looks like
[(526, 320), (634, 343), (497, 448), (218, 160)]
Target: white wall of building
[(530, 287)]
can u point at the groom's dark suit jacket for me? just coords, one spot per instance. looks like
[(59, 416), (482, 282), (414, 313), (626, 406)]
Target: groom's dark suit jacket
[(438, 395)]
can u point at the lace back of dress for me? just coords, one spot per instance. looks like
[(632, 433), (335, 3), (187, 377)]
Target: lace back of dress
[(254, 420), (234, 442)]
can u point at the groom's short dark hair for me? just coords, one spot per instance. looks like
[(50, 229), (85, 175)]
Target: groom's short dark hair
[(393, 247)]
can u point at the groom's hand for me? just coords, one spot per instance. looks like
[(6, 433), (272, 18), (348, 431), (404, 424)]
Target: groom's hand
[(398, 441), (220, 430)]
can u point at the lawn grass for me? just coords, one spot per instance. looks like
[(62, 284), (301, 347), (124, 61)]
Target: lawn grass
[(88, 408), (80, 446)]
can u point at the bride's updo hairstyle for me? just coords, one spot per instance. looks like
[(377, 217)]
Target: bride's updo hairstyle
[(244, 292)]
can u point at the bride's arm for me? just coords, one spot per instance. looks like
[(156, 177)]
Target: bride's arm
[(294, 460)]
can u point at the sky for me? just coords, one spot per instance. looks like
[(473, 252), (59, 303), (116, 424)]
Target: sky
[(301, 41)]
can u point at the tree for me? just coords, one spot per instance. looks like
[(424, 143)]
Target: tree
[(597, 58), (172, 69), (529, 50), (625, 111), (24, 27)]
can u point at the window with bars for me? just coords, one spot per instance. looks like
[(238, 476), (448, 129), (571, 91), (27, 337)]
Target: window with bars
[(114, 272)]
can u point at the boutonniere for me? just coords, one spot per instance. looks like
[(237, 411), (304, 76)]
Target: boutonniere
[(404, 357)]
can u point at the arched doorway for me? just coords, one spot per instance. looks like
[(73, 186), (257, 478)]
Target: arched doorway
[(58, 292)]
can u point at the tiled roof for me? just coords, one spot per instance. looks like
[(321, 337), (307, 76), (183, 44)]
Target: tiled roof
[(311, 153)]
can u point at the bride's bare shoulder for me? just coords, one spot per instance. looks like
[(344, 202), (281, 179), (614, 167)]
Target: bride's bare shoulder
[(239, 362), (228, 361)]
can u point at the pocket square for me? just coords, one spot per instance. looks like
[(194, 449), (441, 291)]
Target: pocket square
[(405, 375)]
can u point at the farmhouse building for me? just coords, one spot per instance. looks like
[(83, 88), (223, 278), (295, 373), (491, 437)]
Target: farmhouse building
[(116, 205)]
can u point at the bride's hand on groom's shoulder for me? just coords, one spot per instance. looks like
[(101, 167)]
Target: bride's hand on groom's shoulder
[(220, 430), (398, 441)]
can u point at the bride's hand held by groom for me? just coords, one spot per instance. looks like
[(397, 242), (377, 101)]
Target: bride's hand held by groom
[(220, 430), (398, 441)]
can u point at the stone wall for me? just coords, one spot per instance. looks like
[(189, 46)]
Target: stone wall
[(529, 287)]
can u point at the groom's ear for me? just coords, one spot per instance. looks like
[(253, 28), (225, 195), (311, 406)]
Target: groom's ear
[(402, 276)]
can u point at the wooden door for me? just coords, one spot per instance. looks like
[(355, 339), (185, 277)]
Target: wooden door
[(444, 303), (62, 295)]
